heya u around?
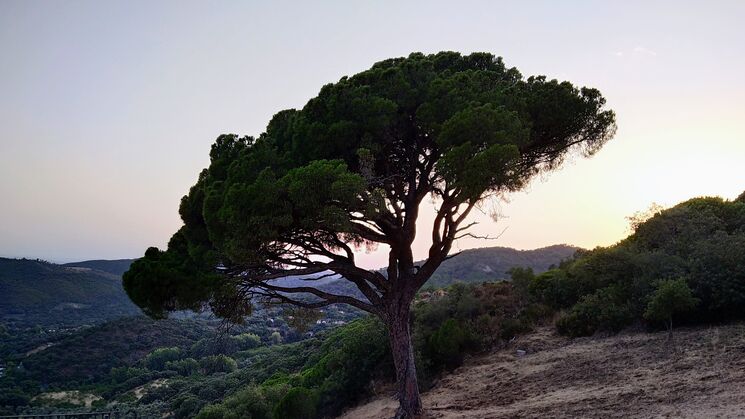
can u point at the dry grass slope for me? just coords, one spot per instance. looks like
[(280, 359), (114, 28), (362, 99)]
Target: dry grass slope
[(622, 376)]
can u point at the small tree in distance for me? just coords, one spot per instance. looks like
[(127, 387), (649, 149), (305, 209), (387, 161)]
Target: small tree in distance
[(349, 171), (673, 296)]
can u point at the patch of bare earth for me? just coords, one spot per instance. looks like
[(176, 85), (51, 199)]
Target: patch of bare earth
[(143, 389), (627, 375), (73, 397)]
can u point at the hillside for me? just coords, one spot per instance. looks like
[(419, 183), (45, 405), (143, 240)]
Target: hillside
[(492, 263), (627, 375), (41, 293), (90, 354), (115, 267)]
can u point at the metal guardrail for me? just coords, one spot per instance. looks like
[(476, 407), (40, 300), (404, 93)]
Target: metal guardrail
[(89, 415)]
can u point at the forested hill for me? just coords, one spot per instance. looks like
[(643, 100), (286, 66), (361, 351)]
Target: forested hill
[(37, 292), (492, 263), (116, 267)]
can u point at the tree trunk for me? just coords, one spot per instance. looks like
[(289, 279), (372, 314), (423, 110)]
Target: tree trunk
[(402, 350), (670, 329)]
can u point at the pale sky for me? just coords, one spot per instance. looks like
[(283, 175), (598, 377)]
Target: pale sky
[(108, 109)]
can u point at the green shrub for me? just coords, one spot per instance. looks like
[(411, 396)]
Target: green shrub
[(217, 363), (157, 359), (513, 327), (298, 403), (185, 367), (249, 403), (187, 407), (672, 297), (718, 275), (248, 341), (600, 311), (447, 344)]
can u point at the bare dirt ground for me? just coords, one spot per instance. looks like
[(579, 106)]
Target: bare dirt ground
[(73, 397), (628, 375)]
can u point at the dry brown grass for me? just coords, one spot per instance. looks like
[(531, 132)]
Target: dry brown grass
[(622, 376)]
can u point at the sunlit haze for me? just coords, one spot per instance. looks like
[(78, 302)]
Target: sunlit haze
[(108, 109)]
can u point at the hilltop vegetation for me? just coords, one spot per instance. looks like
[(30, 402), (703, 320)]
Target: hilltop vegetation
[(41, 293), (342, 370), (699, 243), (180, 366), (494, 263), (263, 369)]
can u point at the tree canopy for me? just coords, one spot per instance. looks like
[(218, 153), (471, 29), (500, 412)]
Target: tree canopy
[(350, 169)]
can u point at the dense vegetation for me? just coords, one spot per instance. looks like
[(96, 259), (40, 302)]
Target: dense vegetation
[(684, 264), (46, 350), (181, 367), (35, 292), (345, 367), (113, 359), (698, 244)]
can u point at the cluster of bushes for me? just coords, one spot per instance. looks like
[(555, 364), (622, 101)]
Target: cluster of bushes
[(470, 318), (339, 373), (685, 262), (334, 375), (193, 383)]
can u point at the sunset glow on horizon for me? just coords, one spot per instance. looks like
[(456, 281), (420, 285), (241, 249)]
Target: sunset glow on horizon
[(108, 110)]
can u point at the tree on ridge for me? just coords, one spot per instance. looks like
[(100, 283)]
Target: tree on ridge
[(349, 171)]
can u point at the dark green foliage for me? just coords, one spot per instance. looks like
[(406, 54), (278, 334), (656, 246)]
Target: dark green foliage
[(123, 374), (338, 373), (168, 271), (320, 381), (14, 398), (224, 345), (465, 319), (484, 127), (157, 359), (217, 363), (672, 297), (447, 344), (249, 403), (605, 309), (298, 403), (717, 274), (90, 355), (697, 243), (350, 169), (40, 293), (347, 361), (333, 371), (187, 407)]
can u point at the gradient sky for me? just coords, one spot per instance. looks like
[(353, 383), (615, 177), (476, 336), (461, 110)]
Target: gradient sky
[(108, 109)]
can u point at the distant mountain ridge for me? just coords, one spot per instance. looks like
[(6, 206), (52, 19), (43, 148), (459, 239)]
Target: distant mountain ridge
[(493, 263), (116, 266), (87, 292), (37, 292)]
